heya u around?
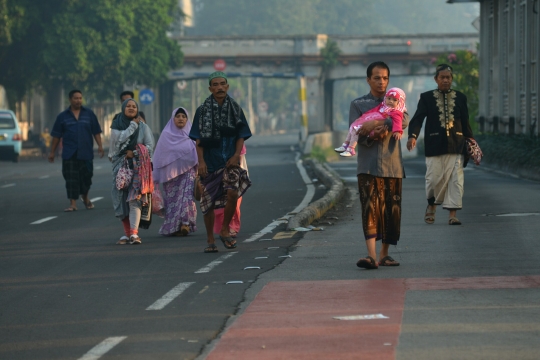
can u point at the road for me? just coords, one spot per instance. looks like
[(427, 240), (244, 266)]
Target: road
[(67, 291)]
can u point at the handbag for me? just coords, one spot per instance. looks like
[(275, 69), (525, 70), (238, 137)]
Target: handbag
[(473, 151), (124, 176)]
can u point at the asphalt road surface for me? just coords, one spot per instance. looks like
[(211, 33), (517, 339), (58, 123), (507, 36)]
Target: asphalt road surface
[(68, 292)]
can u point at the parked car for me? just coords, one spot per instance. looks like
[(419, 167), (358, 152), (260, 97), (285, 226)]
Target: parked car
[(10, 136)]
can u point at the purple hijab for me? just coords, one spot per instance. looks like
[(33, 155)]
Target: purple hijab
[(175, 152)]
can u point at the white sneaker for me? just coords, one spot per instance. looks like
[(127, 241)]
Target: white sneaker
[(340, 149), (346, 153)]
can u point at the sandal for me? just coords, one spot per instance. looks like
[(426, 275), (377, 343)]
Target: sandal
[(228, 242), (70, 209), (211, 248), (367, 263), (124, 240), (388, 261), (454, 221), (429, 217), (135, 240), (184, 230), (88, 205)]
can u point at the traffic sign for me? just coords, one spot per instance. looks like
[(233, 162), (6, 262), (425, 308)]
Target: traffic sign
[(220, 65), (146, 96)]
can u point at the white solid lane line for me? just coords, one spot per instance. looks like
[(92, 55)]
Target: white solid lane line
[(214, 263), (170, 296), (7, 185), (43, 220), (305, 202), (96, 199), (102, 348)]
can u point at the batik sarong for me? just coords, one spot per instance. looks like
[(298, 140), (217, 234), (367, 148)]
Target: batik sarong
[(180, 208), (381, 207), (216, 184)]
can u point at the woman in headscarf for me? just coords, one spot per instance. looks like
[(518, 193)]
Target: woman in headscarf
[(131, 140), (175, 166)]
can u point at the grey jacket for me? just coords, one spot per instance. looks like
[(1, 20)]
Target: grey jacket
[(381, 158)]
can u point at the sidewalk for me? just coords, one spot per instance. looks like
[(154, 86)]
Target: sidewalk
[(439, 304)]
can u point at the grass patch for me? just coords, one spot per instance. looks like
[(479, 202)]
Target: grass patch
[(324, 154)]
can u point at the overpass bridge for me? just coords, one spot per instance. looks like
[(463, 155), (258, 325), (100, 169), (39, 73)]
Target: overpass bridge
[(300, 57)]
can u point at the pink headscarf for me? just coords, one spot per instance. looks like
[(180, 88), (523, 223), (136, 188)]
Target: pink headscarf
[(175, 152), (399, 95)]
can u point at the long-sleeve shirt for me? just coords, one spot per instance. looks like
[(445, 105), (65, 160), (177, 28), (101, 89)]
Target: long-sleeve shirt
[(118, 137), (381, 158), (447, 122)]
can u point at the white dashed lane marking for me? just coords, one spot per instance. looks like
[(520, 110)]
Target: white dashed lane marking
[(43, 220), (214, 263), (102, 348), (7, 185), (170, 296)]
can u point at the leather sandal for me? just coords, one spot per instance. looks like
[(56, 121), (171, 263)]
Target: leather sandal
[(367, 263), (454, 221), (429, 217)]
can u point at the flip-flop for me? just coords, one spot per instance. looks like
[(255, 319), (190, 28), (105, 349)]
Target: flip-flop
[(228, 242), (70, 209), (367, 263), (211, 248), (388, 261), (88, 205)]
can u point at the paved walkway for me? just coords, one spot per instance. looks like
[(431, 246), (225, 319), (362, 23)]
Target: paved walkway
[(461, 292)]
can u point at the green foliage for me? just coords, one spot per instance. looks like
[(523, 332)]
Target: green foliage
[(466, 69), (97, 45), (324, 154), (330, 53)]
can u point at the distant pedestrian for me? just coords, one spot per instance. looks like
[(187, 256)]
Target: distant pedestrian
[(45, 140), (380, 172), (76, 126), (132, 142), (220, 128), (175, 166), (235, 224), (392, 107), (446, 130)]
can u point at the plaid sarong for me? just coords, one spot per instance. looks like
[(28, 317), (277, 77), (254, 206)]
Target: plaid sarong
[(216, 184), (78, 175)]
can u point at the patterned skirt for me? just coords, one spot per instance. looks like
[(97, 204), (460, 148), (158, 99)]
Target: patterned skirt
[(180, 208), (381, 207)]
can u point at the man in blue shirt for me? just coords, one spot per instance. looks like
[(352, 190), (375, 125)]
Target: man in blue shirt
[(220, 128), (76, 126)]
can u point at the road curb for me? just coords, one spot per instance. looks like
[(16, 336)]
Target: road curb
[(318, 208)]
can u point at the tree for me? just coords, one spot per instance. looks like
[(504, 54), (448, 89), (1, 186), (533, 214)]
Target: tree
[(97, 45)]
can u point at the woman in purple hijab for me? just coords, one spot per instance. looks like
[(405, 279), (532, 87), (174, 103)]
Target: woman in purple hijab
[(175, 166)]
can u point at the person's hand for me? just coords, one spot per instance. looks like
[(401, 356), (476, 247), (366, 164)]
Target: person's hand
[(136, 120), (411, 144), (129, 154), (51, 157), (100, 151), (366, 128), (234, 161), (380, 132), (203, 169), (141, 119), (397, 135)]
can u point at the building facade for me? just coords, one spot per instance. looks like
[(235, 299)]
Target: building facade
[(509, 69)]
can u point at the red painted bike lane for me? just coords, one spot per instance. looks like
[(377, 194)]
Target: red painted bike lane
[(296, 320)]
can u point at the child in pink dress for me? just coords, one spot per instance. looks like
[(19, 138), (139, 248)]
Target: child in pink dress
[(393, 106)]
